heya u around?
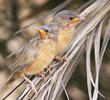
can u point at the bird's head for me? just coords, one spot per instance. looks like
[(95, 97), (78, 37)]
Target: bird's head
[(46, 32), (67, 18)]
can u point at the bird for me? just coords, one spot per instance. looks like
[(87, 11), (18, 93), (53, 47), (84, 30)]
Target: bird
[(65, 23), (35, 55)]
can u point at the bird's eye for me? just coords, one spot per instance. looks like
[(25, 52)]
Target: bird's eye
[(70, 18), (46, 30)]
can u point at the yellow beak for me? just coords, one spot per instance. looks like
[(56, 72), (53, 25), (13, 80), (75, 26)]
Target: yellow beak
[(77, 19), (42, 33)]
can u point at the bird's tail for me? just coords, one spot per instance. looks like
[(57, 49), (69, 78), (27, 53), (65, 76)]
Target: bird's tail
[(10, 80), (6, 85)]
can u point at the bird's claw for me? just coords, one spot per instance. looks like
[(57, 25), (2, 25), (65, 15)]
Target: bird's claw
[(42, 75), (33, 88), (63, 58), (48, 69)]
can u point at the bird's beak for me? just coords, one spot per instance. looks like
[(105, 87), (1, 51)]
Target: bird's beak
[(42, 33), (77, 19)]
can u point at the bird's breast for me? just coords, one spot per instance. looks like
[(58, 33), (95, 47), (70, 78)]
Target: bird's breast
[(64, 38), (46, 55)]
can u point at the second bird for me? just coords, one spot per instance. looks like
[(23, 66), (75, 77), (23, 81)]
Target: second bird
[(65, 23)]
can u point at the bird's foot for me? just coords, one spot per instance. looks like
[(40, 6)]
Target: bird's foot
[(31, 84), (33, 88), (48, 69), (63, 58), (41, 74)]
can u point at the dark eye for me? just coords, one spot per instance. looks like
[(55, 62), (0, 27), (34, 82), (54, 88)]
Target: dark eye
[(70, 18), (46, 30)]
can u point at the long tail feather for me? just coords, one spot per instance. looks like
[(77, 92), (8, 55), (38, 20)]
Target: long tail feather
[(9, 80)]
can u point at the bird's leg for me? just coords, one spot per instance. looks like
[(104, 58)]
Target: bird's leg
[(63, 58), (31, 84), (41, 74)]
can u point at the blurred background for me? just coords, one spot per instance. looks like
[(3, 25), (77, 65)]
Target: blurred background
[(15, 14)]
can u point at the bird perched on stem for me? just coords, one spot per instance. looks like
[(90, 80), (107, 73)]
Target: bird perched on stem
[(35, 56), (65, 22), (38, 53)]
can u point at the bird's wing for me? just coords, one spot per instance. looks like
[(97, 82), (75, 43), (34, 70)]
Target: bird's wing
[(20, 49), (26, 55)]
